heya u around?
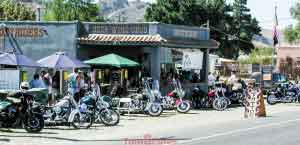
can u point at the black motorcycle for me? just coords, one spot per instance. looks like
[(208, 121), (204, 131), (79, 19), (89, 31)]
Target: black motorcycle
[(19, 110), (284, 93)]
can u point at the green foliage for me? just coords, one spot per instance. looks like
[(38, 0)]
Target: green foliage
[(13, 10), (232, 25), (295, 11), (69, 10), (259, 56), (292, 33)]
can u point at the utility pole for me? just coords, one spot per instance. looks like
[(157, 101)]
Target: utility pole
[(207, 22)]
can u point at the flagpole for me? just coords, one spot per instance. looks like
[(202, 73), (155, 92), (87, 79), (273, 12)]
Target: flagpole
[(275, 39)]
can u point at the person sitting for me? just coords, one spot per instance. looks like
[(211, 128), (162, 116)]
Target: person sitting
[(37, 82)]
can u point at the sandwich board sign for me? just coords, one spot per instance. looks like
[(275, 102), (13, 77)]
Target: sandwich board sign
[(192, 61)]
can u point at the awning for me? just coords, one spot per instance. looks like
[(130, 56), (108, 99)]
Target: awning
[(120, 39)]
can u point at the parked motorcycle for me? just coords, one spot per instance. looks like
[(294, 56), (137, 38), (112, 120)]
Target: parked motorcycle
[(221, 101), (284, 93), (146, 101), (175, 99), (68, 112), (20, 110), (100, 109)]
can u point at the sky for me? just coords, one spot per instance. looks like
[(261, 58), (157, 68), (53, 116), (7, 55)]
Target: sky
[(263, 10)]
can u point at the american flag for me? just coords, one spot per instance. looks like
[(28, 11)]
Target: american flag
[(275, 32)]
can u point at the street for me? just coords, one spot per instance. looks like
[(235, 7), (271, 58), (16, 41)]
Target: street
[(197, 127)]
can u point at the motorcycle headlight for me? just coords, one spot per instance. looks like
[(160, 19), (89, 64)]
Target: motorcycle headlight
[(83, 108)]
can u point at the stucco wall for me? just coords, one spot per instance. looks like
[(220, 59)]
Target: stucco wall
[(288, 51)]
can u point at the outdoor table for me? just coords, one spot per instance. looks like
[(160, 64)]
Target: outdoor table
[(131, 91)]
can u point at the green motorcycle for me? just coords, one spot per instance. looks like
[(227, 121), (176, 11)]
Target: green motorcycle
[(18, 110)]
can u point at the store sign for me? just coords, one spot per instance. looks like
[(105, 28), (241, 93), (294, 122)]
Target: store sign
[(192, 61), (24, 32), (119, 28), (186, 34)]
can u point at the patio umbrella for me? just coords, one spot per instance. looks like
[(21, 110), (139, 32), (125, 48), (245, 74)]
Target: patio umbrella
[(17, 60), (60, 60), (112, 60)]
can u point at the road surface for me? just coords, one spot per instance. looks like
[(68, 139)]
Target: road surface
[(281, 127)]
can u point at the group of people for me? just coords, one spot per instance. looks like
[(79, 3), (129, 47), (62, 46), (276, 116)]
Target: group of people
[(76, 81)]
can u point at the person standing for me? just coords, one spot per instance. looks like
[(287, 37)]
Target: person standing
[(232, 79), (211, 79), (56, 84), (48, 83), (73, 82), (36, 82)]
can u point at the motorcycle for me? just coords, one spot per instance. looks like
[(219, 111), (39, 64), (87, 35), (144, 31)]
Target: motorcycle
[(100, 108), (146, 101), (175, 99), (238, 93), (221, 101), (68, 112), (19, 109), (284, 93)]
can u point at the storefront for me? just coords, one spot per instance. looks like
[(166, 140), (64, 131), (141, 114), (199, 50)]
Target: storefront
[(150, 44)]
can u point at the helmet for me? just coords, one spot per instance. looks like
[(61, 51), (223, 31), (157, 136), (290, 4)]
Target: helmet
[(24, 86)]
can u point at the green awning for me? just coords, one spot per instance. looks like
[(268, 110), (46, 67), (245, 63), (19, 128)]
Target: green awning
[(112, 60)]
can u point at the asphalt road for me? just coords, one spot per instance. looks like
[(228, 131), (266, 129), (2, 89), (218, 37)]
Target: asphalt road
[(281, 127)]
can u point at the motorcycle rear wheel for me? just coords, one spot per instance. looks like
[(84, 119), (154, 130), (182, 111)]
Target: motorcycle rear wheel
[(78, 122)]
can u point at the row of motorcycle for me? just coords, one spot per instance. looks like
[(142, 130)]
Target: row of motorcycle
[(81, 110), (150, 101), (20, 110)]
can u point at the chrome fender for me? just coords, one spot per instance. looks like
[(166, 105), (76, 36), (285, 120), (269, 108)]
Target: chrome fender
[(72, 115)]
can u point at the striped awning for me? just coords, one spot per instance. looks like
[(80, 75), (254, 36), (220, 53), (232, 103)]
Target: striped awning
[(120, 39)]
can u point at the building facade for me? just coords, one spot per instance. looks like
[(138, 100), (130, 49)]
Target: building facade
[(150, 44)]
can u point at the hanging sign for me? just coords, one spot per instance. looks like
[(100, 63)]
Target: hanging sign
[(192, 60)]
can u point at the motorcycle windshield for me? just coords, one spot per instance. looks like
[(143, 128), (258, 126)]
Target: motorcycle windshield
[(4, 105)]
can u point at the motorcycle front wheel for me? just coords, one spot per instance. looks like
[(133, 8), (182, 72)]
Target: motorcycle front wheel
[(271, 99), (155, 110), (34, 124), (82, 121), (109, 117), (184, 107), (220, 104)]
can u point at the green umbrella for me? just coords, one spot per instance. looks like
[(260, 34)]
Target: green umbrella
[(112, 60)]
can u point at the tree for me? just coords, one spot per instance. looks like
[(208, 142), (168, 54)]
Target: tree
[(13, 10), (69, 10), (258, 56), (231, 25), (292, 33), (244, 27)]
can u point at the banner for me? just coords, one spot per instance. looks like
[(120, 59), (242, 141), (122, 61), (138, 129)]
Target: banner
[(192, 60)]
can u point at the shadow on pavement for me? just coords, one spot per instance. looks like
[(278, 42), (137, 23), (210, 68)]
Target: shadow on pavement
[(13, 131), (101, 140), (4, 140)]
